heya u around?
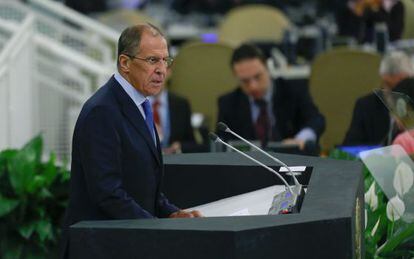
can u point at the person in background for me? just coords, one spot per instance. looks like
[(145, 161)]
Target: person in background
[(358, 18), (172, 117), (218, 6), (406, 138), (91, 7), (371, 123), (264, 109), (87, 7), (117, 166)]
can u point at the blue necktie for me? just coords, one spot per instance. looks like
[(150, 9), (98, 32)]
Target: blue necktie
[(149, 119)]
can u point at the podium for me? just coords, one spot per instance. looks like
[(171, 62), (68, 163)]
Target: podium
[(330, 223)]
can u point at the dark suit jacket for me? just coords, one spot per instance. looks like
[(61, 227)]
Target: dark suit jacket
[(370, 122), (293, 109), (116, 167), (363, 28), (180, 125), (180, 121), (86, 7)]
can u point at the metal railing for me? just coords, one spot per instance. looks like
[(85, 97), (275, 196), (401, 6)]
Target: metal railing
[(47, 71), (15, 128)]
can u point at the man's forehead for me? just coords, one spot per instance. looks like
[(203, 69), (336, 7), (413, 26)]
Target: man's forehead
[(150, 43), (249, 66)]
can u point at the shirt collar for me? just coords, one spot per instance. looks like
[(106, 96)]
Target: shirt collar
[(135, 95)]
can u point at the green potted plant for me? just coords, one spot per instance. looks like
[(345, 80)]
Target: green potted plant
[(33, 196)]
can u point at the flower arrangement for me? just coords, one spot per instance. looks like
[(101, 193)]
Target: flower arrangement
[(389, 204)]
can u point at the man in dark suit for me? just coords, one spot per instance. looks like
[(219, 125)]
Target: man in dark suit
[(172, 117), (371, 122), (357, 18), (266, 109), (117, 165)]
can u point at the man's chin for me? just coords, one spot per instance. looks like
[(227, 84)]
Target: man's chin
[(258, 96), (155, 89)]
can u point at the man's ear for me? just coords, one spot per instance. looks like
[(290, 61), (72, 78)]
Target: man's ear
[(124, 62)]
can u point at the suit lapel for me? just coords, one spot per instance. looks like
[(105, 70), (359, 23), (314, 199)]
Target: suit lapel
[(245, 116), (134, 116), (159, 150)]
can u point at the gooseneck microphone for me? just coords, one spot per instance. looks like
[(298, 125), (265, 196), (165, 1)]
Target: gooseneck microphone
[(215, 138), (223, 127)]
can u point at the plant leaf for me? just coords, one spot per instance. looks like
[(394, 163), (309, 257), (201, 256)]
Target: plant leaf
[(44, 230), (50, 170), (396, 240), (13, 251), (5, 157), (22, 167), (26, 230), (7, 205), (45, 193)]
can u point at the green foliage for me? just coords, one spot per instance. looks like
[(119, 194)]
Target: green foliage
[(33, 196), (383, 237)]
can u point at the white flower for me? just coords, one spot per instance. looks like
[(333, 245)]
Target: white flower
[(371, 197), (403, 178), (395, 208)]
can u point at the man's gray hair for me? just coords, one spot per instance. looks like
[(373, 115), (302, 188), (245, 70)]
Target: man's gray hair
[(396, 62), (130, 38)]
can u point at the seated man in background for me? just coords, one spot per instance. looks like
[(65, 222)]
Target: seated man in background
[(265, 109), (406, 138), (172, 118), (371, 123), (357, 18)]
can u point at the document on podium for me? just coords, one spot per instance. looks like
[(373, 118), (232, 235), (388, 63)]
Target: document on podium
[(252, 203)]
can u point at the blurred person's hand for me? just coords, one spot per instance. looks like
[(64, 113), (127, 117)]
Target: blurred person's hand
[(186, 214), (175, 148), (292, 141)]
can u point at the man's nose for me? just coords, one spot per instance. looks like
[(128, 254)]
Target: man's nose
[(253, 84), (161, 69)]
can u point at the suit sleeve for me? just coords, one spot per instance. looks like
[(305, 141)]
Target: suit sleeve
[(165, 208), (100, 150), (311, 116), (356, 133)]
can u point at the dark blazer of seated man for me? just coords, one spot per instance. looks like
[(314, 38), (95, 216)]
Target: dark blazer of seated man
[(265, 109), (117, 167), (371, 123), (172, 117)]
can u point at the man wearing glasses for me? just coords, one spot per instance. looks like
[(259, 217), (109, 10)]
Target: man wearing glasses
[(268, 110), (117, 165)]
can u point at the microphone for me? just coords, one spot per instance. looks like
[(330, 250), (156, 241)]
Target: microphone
[(215, 138), (283, 203), (223, 127)]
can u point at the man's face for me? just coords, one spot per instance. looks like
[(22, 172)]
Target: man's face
[(253, 77), (148, 78), (391, 81)]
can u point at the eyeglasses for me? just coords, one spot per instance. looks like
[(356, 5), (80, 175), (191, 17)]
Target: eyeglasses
[(155, 60)]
